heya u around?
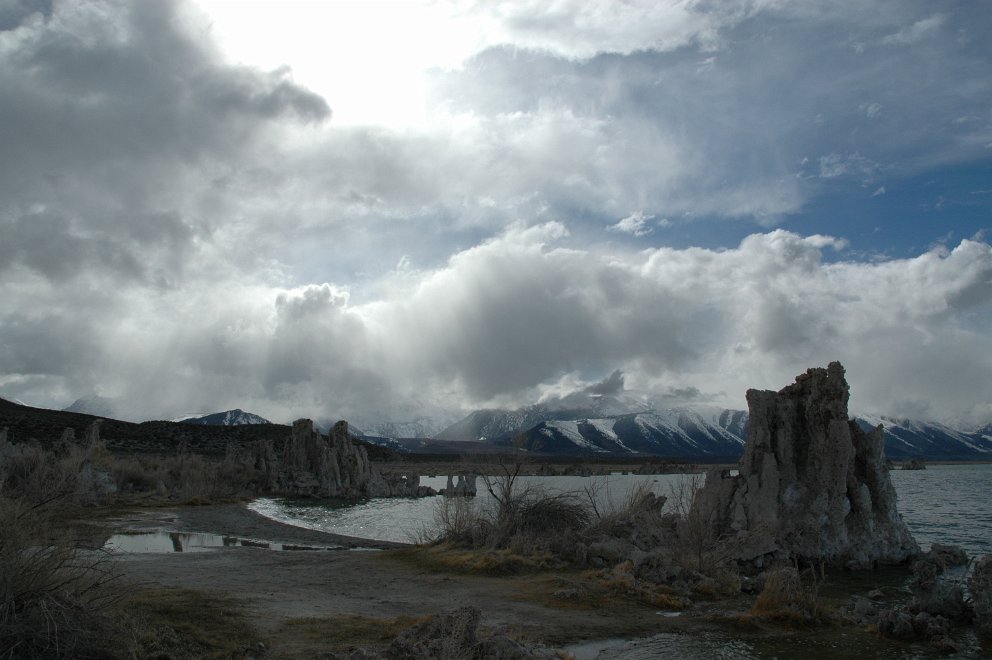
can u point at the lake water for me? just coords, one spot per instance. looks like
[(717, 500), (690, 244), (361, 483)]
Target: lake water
[(943, 503), (407, 519)]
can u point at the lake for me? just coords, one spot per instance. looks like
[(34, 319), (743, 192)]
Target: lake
[(943, 503)]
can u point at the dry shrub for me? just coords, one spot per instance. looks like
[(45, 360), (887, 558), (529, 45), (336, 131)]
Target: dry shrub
[(138, 474), (194, 479), (77, 473), (457, 521), (53, 596), (537, 520), (529, 522), (789, 596)]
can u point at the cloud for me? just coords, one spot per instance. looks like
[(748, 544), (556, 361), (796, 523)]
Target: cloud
[(576, 29), (871, 110), (916, 32), (502, 322), (119, 125), (837, 165), (186, 233), (635, 224)]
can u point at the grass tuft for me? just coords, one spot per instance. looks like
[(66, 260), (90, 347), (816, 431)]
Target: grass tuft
[(338, 632), (172, 622), (453, 559)]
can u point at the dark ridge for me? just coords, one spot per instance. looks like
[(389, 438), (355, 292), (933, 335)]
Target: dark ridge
[(26, 424)]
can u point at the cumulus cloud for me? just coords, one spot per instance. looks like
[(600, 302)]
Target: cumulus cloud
[(508, 319)]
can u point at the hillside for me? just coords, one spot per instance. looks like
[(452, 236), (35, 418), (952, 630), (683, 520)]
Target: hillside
[(25, 423)]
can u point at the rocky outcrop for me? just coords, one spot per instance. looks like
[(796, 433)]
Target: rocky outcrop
[(811, 484), (939, 602), (464, 487), (312, 465), (980, 586)]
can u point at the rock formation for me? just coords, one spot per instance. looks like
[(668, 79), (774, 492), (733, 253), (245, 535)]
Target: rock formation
[(980, 586), (811, 485), (312, 465), (464, 487)]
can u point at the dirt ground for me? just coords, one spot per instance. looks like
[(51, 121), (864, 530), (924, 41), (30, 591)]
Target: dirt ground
[(364, 578)]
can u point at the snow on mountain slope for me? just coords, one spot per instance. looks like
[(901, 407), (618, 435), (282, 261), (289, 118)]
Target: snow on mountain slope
[(236, 417), (907, 438), (677, 432), (701, 432)]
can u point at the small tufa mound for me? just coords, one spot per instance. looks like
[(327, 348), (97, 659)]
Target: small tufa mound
[(812, 485)]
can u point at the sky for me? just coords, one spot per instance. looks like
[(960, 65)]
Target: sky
[(379, 210)]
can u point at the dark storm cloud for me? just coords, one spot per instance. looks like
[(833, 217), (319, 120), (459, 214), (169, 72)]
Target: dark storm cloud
[(112, 115), (15, 12)]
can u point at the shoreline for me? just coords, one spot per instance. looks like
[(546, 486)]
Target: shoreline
[(237, 520)]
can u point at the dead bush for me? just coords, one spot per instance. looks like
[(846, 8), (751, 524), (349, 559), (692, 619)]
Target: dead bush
[(789, 596), (697, 547), (53, 596)]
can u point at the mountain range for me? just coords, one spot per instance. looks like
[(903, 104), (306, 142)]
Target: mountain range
[(700, 432), (605, 419)]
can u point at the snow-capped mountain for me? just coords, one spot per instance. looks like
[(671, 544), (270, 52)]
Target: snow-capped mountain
[(602, 400), (422, 427), (236, 417), (689, 431), (680, 432), (906, 438)]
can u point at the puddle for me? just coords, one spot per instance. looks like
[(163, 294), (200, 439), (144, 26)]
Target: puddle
[(165, 542)]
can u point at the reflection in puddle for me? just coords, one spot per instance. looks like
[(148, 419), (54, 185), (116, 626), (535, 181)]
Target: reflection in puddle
[(164, 542)]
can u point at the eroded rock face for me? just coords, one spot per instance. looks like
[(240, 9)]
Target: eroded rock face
[(812, 485)]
